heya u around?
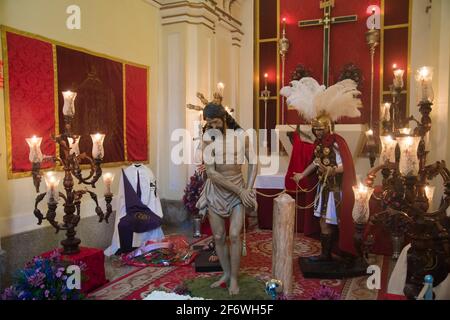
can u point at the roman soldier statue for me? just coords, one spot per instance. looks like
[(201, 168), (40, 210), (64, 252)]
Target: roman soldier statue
[(331, 161)]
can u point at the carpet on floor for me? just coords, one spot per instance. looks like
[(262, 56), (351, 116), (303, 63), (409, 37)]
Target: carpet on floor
[(258, 264)]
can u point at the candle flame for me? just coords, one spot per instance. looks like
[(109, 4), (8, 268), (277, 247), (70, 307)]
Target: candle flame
[(266, 75), (369, 132), (424, 72), (362, 188), (97, 137), (405, 130), (220, 86), (394, 66)]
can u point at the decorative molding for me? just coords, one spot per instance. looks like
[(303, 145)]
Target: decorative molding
[(208, 13)]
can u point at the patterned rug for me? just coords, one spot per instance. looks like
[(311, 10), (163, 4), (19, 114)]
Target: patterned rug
[(258, 263)]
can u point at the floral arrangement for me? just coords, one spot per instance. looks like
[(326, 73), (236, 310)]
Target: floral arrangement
[(192, 192), (43, 279), (326, 293)]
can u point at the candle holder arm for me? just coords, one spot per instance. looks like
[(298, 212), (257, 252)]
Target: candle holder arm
[(95, 170)]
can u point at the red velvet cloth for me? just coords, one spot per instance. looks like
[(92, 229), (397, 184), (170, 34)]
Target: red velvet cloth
[(302, 154), (31, 98), (99, 101), (346, 224), (347, 45), (94, 276), (31, 93), (137, 113)]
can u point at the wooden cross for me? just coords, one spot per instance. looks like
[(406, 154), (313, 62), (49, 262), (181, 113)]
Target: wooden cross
[(326, 21)]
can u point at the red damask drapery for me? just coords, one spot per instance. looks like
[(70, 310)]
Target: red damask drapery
[(112, 98)]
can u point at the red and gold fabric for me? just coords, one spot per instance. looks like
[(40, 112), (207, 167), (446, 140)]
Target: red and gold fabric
[(112, 98)]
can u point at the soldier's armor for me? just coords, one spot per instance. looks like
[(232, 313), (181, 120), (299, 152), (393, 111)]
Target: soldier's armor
[(327, 156)]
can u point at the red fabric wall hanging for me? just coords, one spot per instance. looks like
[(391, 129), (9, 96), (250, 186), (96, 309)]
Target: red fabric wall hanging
[(112, 98)]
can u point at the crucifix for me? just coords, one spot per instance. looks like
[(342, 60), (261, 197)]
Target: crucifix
[(326, 21)]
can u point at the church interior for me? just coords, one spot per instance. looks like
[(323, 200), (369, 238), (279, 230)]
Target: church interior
[(224, 150)]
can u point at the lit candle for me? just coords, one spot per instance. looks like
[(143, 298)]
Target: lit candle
[(369, 133), (387, 149), (409, 162), (429, 192), (405, 131), (398, 77), (52, 182), (373, 16), (284, 26), (361, 210), (266, 76), (424, 76), (386, 111), (97, 145), (74, 146), (220, 88), (69, 103), (108, 179), (35, 155)]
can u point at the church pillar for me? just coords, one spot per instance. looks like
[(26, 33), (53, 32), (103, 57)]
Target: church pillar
[(197, 52)]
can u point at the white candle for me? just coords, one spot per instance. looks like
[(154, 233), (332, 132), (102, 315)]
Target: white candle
[(405, 131), (108, 179), (409, 162), (97, 145), (385, 111), (220, 88), (35, 155), (429, 192), (69, 103), (266, 76), (361, 210), (398, 78), (424, 77), (52, 182), (387, 149)]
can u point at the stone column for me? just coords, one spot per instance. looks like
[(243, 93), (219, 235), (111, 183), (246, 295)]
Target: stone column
[(283, 241)]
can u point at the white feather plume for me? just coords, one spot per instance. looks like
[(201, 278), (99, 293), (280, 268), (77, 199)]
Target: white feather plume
[(310, 99), (340, 100), (300, 95)]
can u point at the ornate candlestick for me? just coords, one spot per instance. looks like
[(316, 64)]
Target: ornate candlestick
[(284, 47), (70, 159)]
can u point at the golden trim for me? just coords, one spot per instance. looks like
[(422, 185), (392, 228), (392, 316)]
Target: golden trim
[(397, 26), (124, 106), (408, 72), (278, 65), (381, 92), (148, 115), (267, 40), (387, 92), (270, 98), (256, 66), (4, 29), (56, 96), (7, 103)]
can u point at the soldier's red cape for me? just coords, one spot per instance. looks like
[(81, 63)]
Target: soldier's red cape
[(346, 225), (302, 155)]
